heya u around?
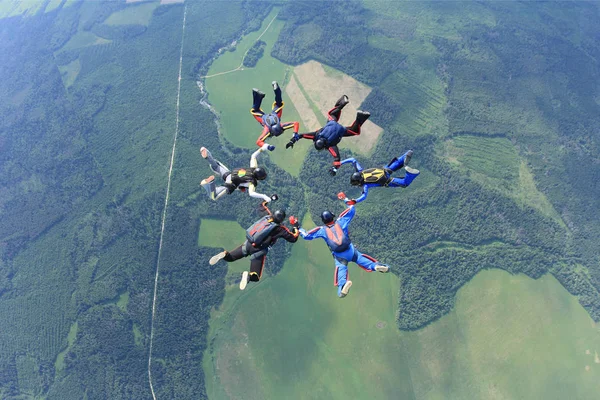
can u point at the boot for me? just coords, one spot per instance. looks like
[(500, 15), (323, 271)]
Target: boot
[(362, 116), (275, 86), (342, 101), (407, 157), (217, 257), (205, 153), (412, 171), (257, 97), (382, 268), (244, 280), (346, 288)]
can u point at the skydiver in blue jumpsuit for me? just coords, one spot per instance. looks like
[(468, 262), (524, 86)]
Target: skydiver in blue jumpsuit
[(329, 136), (335, 234), (377, 177)]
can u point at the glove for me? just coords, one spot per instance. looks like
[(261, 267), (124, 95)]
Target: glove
[(274, 197), (341, 195), (271, 147), (294, 221), (350, 202), (289, 144), (332, 171)]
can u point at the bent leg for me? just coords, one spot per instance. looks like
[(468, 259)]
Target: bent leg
[(403, 182), (336, 112), (361, 118), (257, 97), (215, 165), (278, 99), (398, 163), (235, 254), (340, 276), (257, 265), (335, 152), (364, 261)]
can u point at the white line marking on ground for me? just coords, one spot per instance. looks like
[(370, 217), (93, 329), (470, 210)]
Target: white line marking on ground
[(164, 214)]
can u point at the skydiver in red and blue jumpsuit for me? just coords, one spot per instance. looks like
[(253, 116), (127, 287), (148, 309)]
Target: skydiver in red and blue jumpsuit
[(271, 123), (377, 177), (335, 234), (332, 133)]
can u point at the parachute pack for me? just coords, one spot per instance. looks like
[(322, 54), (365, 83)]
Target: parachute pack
[(337, 240), (260, 231)]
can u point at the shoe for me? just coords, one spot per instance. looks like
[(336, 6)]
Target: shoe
[(362, 116), (346, 288), (382, 268), (275, 85), (244, 280), (208, 180), (256, 92), (342, 101), (407, 157), (204, 152), (217, 257), (412, 170)]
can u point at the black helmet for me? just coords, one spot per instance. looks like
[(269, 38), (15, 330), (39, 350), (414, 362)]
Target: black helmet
[(319, 144), (259, 173), (356, 179), (327, 217), (279, 216)]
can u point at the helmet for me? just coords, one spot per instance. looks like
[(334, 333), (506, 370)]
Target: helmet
[(320, 144), (279, 216), (259, 173), (327, 217), (356, 179), (271, 120)]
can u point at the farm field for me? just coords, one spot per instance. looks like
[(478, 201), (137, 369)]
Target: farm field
[(290, 332), (309, 91)]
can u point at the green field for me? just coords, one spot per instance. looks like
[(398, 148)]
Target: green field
[(231, 95), (137, 15), (508, 337), (220, 233)]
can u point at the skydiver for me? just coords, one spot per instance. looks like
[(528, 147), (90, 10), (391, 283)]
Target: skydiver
[(271, 122), (332, 133), (335, 234), (239, 178), (373, 177), (260, 237)]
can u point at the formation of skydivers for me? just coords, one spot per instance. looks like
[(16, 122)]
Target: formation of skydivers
[(263, 234)]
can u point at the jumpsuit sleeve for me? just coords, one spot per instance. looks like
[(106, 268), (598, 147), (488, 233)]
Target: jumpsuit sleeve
[(364, 194), (253, 158), (263, 136), (253, 193), (312, 234), (288, 125), (284, 233), (335, 152), (346, 216), (355, 163)]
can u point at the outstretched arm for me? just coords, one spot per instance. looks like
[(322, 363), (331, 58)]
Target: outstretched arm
[(253, 158), (263, 136), (312, 234), (355, 163), (253, 193), (364, 194), (346, 216)]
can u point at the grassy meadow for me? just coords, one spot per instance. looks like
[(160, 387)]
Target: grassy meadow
[(291, 337), (231, 95)]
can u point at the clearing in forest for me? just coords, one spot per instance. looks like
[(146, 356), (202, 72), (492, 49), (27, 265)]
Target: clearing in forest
[(320, 87)]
